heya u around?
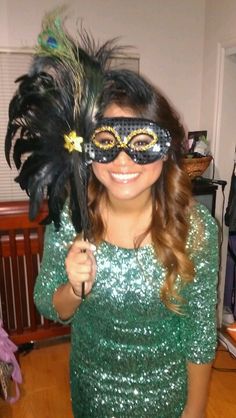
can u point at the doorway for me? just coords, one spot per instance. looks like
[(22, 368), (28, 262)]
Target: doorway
[(225, 151)]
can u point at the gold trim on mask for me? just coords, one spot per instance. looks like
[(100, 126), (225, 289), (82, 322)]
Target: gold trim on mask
[(105, 129), (124, 143)]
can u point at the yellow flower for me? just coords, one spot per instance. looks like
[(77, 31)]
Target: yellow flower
[(73, 142)]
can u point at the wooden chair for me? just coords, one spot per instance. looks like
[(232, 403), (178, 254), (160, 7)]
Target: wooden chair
[(21, 247)]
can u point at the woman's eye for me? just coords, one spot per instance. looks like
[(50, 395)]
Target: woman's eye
[(104, 140), (140, 142)]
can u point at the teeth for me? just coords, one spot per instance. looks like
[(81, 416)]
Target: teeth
[(124, 176)]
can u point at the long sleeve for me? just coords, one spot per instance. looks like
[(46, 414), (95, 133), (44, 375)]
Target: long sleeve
[(52, 271), (199, 324)]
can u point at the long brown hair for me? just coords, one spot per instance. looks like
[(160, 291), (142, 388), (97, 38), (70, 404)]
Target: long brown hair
[(171, 194)]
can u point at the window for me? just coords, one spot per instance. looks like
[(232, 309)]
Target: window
[(12, 65)]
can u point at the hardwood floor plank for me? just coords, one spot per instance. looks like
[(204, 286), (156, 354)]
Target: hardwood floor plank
[(45, 390), (222, 394)]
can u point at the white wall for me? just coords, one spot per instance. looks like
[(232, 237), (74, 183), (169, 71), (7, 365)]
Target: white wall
[(168, 35), (218, 109), (220, 30)]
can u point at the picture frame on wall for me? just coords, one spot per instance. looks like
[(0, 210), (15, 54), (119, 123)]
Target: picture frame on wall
[(195, 138)]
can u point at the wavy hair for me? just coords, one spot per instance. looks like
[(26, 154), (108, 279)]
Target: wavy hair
[(171, 194)]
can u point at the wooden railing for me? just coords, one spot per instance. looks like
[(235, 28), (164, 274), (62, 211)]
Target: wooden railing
[(21, 247)]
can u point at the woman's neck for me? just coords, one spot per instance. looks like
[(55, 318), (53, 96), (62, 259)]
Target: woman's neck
[(130, 207), (126, 221)]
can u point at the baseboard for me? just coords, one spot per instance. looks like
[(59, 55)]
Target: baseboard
[(228, 342)]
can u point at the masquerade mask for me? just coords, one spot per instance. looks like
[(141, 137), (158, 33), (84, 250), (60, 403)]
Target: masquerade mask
[(143, 140)]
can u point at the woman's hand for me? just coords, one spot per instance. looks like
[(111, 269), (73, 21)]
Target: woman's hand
[(81, 266)]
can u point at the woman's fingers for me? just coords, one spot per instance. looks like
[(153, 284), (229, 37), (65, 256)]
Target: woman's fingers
[(80, 263), (79, 246)]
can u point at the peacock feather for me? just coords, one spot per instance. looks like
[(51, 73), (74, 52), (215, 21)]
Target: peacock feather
[(54, 41)]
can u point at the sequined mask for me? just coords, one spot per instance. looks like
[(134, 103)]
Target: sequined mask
[(143, 140)]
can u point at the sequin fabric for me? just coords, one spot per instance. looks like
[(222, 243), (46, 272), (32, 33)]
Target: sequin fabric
[(129, 353)]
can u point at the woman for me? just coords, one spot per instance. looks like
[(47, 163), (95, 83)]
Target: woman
[(140, 294), (135, 352)]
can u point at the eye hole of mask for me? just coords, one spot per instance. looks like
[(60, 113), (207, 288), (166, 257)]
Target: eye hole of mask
[(104, 139), (142, 141)]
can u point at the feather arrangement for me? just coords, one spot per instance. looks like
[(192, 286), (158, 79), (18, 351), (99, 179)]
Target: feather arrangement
[(52, 115)]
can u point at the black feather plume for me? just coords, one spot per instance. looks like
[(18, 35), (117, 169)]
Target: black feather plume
[(57, 96)]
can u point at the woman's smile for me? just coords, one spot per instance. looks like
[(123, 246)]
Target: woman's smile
[(123, 177)]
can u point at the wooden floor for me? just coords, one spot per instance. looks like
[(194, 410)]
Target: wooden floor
[(45, 391)]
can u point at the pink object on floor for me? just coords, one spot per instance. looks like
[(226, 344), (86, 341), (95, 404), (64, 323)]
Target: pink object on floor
[(7, 350)]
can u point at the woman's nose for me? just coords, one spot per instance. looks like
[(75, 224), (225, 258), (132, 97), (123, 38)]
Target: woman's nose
[(122, 158)]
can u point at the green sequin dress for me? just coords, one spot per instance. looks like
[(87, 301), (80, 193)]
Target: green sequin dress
[(129, 353)]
